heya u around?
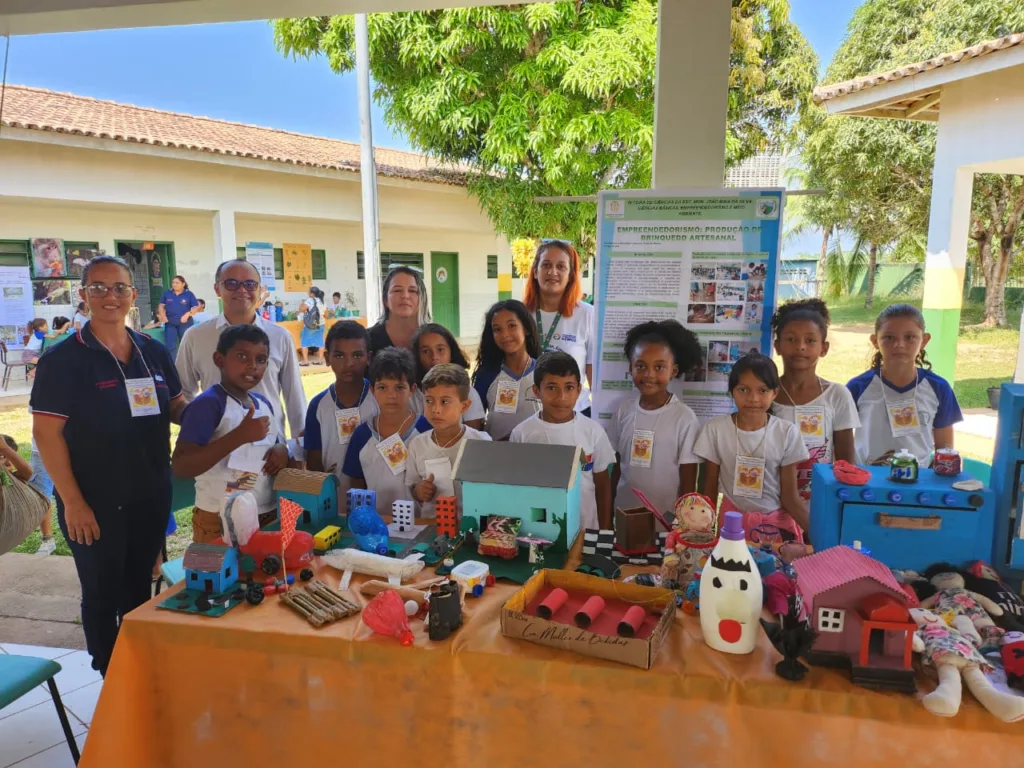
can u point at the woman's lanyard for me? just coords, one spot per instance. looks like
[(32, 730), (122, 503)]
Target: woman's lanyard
[(142, 398), (551, 330)]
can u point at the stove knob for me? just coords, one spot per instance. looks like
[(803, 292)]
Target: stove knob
[(843, 494), (924, 498), (895, 497), (976, 500), (867, 494), (949, 499)]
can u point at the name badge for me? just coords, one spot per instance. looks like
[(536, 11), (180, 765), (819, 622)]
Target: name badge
[(249, 458), (642, 451), (441, 469), (142, 397), (348, 420), (749, 479), (903, 418), (811, 421), (506, 399), (394, 453)]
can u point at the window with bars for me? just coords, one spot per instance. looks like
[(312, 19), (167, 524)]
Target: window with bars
[(319, 264), (830, 619), (14, 253), (492, 267), (389, 260)]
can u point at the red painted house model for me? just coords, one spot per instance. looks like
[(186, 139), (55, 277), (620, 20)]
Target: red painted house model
[(860, 614)]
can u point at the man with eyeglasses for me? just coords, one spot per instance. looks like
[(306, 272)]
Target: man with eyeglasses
[(237, 283)]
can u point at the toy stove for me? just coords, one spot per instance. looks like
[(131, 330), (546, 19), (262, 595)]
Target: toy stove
[(1008, 484), (904, 525)]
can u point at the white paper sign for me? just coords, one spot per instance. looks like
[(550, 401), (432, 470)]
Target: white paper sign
[(261, 256), (441, 469), (16, 307)]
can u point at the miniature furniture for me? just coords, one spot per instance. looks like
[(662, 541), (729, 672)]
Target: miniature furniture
[(10, 366), (906, 526), (1008, 554), (315, 492), (20, 674), (635, 530)]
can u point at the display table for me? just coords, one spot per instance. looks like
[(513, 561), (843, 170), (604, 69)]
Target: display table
[(295, 327), (261, 687)]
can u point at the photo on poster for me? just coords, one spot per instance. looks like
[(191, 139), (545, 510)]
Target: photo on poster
[(46, 293), (719, 371), (703, 272), (740, 348), (47, 257), (728, 313), (79, 257), (11, 335), (718, 351), (755, 270), (702, 292), (729, 271), (699, 373), (700, 313), (14, 292), (732, 292), (753, 312), (755, 290)]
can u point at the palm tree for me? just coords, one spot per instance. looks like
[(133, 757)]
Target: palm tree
[(842, 270)]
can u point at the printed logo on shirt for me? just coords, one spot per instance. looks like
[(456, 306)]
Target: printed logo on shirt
[(564, 337), (588, 462), (106, 384), (158, 377)]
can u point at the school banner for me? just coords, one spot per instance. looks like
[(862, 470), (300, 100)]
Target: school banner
[(707, 258), (261, 256), (298, 267), (16, 309)]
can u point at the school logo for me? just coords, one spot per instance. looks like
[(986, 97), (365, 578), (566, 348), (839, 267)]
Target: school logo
[(614, 209), (568, 337), (767, 208)]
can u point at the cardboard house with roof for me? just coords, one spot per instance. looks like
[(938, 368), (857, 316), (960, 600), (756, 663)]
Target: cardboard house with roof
[(536, 484), (211, 568), (861, 616), (315, 492)]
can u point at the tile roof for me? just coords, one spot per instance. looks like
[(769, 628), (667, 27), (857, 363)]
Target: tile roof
[(826, 92), (301, 481), (43, 110), (205, 557), (838, 566)]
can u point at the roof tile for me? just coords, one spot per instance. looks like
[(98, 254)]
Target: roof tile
[(838, 566)]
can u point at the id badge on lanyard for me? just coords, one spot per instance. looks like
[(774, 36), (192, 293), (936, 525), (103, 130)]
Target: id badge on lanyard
[(394, 453), (142, 396), (811, 421), (506, 398), (348, 420), (749, 479), (641, 452), (903, 418)]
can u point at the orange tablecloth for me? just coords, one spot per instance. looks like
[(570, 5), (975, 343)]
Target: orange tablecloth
[(295, 326), (261, 687)]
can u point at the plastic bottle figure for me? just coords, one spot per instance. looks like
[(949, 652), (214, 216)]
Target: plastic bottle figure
[(731, 592), (369, 529)]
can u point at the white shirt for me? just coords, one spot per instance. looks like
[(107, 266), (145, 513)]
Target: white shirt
[(475, 410), (720, 442), (423, 449), (197, 370), (322, 432), (838, 412), (581, 431), (576, 336), (499, 424), (310, 302), (675, 429), (364, 462), (80, 319)]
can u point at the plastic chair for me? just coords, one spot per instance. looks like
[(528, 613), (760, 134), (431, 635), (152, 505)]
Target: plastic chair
[(978, 470), (172, 572), (9, 366), (20, 674)]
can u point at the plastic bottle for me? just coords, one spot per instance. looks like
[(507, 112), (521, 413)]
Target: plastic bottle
[(731, 593), (369, 529), (385, 615)]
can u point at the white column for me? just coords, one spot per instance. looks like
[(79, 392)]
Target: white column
[(224, 243), (691, 93)]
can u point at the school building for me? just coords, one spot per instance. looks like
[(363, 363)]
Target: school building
[(177, 194)]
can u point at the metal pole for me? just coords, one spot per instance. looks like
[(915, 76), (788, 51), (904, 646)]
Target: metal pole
[(368, 175)]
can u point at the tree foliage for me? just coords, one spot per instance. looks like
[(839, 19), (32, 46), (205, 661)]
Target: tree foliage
[(555, 99)]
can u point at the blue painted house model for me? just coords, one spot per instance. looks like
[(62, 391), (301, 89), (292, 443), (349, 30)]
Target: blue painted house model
[(537, 484), (211, 568), (315, 492)]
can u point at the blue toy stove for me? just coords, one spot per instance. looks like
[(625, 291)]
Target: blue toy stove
[(904, 525), (1007, 480)]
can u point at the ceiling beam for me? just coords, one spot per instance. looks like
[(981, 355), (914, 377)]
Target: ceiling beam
[(925, 104)]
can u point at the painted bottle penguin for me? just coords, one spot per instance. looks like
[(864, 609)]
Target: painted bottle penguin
[(731, 592)]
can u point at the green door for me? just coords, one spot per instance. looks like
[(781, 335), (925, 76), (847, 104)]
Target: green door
[(444, 290)]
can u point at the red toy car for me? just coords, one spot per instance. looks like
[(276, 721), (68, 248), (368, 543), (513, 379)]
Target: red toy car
[(265, 548)]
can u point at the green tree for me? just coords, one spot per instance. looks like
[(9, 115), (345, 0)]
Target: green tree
[(554, 99), (877, 173)]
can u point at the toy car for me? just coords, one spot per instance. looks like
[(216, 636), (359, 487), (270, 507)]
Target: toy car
[(265, 548), (254, 594)]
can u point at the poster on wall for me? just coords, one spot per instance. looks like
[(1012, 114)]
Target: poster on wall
[(261, 256), (707, 258), (77, 258), (16, 308), (298, 267), (49, 293), (48, 258)]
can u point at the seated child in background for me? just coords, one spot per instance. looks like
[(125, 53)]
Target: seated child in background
[(334, 414), (752, 456), (901, 403), (378, 454), (557, 385), (229, 438), (653, 432), (433, 344), (38, 330), (432, 454)]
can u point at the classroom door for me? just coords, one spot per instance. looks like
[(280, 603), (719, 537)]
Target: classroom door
[(444, 290)]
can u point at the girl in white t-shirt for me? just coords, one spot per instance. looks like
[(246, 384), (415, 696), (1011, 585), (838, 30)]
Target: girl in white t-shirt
[(433, 344), (823, 411), (752, 456), (652, 432)]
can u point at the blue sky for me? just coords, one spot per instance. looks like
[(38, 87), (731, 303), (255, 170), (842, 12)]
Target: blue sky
[(233, 72)]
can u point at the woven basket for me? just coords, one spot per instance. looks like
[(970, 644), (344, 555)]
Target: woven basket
[(22, 509)]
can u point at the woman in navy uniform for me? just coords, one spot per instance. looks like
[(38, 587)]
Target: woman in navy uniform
[(102, 408), (177, 306)]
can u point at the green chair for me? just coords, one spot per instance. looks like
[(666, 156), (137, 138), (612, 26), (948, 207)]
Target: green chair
[(20, 674), (979, 470)]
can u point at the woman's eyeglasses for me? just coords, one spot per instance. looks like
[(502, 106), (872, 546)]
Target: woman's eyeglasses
[(99, 290), (233, 285)]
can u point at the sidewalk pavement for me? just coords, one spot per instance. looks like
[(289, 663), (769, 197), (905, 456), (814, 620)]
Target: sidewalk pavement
[(39, 601)]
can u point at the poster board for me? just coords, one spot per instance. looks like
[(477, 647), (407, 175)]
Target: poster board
[(261, 256), (16, 308), (707, 258), (298, 267)]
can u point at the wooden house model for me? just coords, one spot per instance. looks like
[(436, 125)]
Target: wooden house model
[(211, 568), (315, 492)]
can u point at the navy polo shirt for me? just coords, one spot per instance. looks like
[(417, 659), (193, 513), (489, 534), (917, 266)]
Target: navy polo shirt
[(177, 304), (116, 459)]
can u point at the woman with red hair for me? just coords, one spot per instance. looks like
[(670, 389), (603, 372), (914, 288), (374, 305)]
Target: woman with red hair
[(565, 322)]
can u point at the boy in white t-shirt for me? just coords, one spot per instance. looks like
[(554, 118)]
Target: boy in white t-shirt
[(229, 438), (557, 385), (432, 454)]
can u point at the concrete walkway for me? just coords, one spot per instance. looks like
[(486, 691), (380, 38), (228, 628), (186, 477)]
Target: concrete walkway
[(39, 601)]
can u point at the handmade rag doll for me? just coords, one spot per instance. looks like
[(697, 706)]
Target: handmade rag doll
[(1012, 652), (955, 657), (953, 600), (692, 537), (980, 577)]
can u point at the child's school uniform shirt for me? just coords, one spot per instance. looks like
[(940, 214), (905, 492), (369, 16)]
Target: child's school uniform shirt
[(212, 415), (475, 410), (424, 457), (575, 336), (35, 341), (510, 399), (930, 396), (831, 411), (581, 431), (364, 461), (651, 447), (330, 425)]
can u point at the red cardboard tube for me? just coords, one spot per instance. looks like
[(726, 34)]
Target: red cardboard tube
[(555, 600), (631, 621), (589, 611)]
